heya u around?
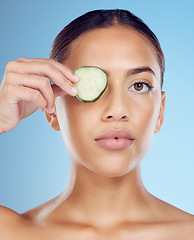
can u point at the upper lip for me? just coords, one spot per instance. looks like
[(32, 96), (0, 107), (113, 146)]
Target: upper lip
[(115, 134)]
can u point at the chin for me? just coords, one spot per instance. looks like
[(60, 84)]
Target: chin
[(107, 163), (112, 173), (113, 168)]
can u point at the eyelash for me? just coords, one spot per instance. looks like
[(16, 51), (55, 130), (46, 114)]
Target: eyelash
[(150, 87)]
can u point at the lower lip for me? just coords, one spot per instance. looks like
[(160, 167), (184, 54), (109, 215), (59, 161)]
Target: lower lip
[(114, 144)]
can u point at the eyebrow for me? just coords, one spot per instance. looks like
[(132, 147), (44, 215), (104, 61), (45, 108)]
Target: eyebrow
[(140, 70), (134, 71)]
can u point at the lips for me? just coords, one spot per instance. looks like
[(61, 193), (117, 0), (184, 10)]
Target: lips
[(115, 139)]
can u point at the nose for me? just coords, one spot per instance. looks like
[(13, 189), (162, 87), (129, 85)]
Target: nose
[(116, 108)]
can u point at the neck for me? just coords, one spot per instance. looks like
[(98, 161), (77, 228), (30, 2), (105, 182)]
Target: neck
[(93, 198)]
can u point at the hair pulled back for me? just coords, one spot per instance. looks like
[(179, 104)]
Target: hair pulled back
[(101, 19)]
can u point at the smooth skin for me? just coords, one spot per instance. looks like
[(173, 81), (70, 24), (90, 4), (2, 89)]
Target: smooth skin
[(105, 197)]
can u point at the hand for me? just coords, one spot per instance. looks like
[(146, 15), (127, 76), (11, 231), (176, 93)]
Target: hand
[(25, 88)]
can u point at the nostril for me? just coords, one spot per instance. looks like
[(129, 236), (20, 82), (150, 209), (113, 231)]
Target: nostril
[(117, 118)]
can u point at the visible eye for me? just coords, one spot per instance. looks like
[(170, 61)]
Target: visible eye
[(141, 87)]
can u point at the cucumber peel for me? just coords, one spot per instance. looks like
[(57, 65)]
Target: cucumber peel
[(92, 84)]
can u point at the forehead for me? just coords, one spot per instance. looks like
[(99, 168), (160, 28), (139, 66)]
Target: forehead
[(115, 47)]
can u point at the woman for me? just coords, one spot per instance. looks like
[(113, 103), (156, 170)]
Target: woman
[(106, 139)]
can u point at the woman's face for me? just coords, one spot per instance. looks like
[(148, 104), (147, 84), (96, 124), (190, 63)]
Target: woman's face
[(132, 102)]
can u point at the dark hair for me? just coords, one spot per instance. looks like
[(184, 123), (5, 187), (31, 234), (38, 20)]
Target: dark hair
[(101, 19)]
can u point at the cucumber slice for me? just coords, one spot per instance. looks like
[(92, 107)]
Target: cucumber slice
[(92, 84)]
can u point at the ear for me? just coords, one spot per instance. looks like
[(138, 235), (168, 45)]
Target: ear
[(161, 113), (52, 120)]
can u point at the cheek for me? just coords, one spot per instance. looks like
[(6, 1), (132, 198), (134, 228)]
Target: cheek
[(75, 122), (144, 118)]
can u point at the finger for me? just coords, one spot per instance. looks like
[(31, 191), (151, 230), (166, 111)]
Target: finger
[(36, 82), (57, 91), (65, 70), (48, 70), (20, 93)]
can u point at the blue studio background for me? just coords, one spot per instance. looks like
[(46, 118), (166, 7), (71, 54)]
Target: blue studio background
[(34, 163)]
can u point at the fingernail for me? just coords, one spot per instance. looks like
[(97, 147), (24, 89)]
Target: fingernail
[(52, 111), (74, 90), (76, 78)]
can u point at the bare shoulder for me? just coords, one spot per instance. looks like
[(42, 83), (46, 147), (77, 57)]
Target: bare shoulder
[(167, 212), (182, 224), (172, 222), (35, 214), (9, 219), (15, 226), (8, 215), (178, 230)]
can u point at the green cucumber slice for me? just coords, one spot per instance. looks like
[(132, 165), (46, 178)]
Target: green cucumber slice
[(92, 84)]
